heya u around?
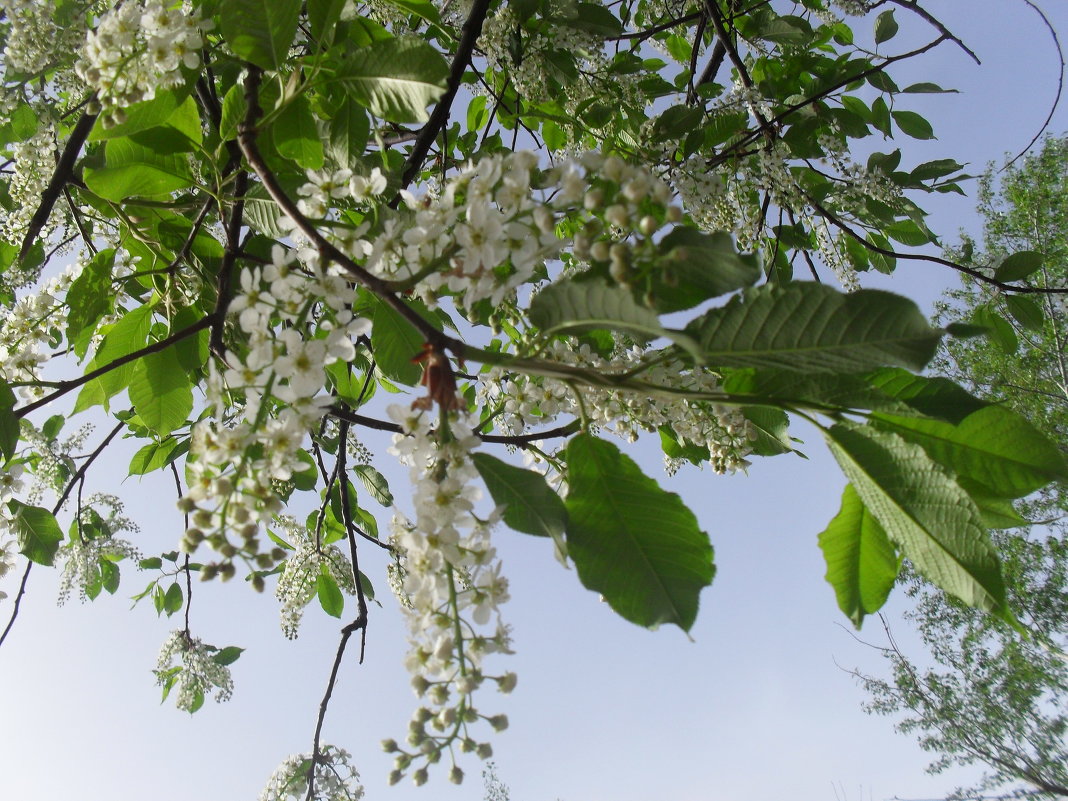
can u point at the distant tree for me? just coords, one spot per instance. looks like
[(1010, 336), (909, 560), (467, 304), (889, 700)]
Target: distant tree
[(996, 698)]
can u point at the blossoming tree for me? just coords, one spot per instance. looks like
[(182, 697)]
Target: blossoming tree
[(229, 224)]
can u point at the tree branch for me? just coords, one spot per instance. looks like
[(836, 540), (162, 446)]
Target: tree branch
[(64, 170), (439, 116)]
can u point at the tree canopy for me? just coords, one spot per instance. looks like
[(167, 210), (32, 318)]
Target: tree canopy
[(234, 228), (992, 697)]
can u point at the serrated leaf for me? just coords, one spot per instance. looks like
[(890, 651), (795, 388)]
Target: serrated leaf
[(140, 116), (36, 531), (329, 594), (375, 483), (701, 266), (994, 447), (531, 505), (810, 327), (90, 296), (396, 343), (861, 562), (396, 79), (933, 397), (260, 31), (886, 27), (770, 429), (574, 306), (631, 541), (348, 132), (1026, 312), (161, 392), (296, 136), (126, 336), (1018, 266), (923, 510)]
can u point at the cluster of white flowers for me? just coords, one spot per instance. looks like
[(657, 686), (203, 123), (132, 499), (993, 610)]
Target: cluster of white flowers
[(336, 778), (523, 401), (831, 252), (527, 58), (324, 187), (309, 560), (197, 675), (34, 41), (84, 558), (235, 465), (34, 162), (452, 586), (138, 48), (54, 457), (9, 554)]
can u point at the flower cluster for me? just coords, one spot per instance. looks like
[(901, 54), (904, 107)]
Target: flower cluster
[(34, 41), (310, 559), (236, 465), (9, 553), (197, 675), (322, 188), (34, 162), (335, 778), (522, 401), (138, 48), (453, 586), (89, 559)]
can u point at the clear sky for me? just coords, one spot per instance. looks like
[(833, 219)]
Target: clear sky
[(755, 708)]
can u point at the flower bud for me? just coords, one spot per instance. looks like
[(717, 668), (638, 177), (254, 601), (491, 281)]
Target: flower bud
[(499, 722), (390, 745), (395, 776), (484, 750), (456, 776), (419, 777)]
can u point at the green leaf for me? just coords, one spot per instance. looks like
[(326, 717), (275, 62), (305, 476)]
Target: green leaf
[(913, 124), (994, 447), (885, 27), (999, 329), (260, 31), (573, 306), (161, 392), (923, 510), (155, 455), (531, 505), (227, 656), (810, 327), (861, 562), (296, 135), (1018, 266), (125, 337), (173, 599), (151, 563), (329, 594), (36, 531), (90, 296), (700, 266), (396, 343), (348, 132), (323, 15), (9, 424), (141, 116), (770, 427), (933, 397), (375, 483), (1026, 312), (631, 541), (396, 79), (136, 170)]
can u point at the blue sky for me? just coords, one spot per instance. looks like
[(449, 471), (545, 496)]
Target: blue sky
[(755, 708)]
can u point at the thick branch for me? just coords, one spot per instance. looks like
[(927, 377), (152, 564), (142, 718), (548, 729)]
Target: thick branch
[(63, 173), (439, 116)]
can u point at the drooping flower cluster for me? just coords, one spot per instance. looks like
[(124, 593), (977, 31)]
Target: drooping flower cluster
[(9, 553), (236, 464), (310, 559), (89, 560), (524, 401), (197, 675), (138, 48), (336, 778), (453, 586)]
